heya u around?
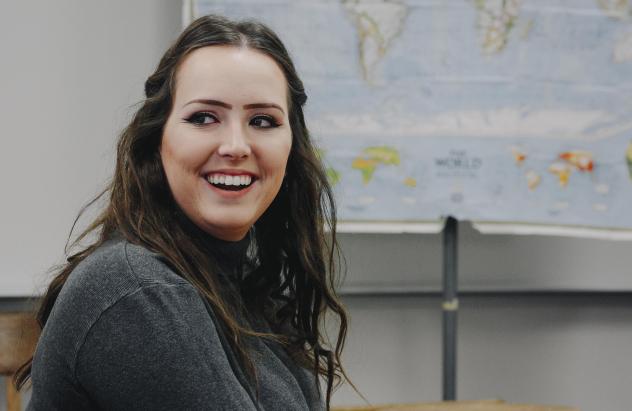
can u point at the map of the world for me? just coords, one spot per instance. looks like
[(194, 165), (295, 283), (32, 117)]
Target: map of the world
[(515, 112)]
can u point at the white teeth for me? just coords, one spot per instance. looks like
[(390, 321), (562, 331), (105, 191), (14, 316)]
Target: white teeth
[(228, 180)]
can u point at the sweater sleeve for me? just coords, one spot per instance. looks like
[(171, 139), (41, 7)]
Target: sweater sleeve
[(157, 348)]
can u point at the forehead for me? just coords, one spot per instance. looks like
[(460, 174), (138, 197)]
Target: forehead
[(234, 74)]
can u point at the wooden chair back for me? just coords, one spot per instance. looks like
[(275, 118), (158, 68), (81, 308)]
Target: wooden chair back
[(19, 333)]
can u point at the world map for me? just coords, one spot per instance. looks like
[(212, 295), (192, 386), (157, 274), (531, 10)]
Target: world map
[(503, 111)]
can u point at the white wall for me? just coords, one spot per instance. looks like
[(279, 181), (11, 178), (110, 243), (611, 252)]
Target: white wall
[(488, 262), (525, 349), (529, 340), (70, 72)]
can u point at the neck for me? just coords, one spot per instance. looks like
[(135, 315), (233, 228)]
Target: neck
[(229, 255)]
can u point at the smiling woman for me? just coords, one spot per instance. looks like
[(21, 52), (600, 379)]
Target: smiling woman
[(228, 126), (211, 275)]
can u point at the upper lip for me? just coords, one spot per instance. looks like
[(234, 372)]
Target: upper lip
[(231, 172)]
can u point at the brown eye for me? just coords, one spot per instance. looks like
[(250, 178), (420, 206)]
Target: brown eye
[(263, 122), (202, 118)]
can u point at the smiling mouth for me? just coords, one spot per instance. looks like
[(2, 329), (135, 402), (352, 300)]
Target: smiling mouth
[(228, 188), (230, 182)]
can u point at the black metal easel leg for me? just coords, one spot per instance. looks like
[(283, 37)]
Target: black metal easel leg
[(450, 307)]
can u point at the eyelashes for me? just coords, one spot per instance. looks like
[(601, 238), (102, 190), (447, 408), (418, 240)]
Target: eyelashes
[(261, 121), (203, 118)]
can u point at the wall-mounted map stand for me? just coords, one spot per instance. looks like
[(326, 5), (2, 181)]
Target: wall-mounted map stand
[(450, 307)]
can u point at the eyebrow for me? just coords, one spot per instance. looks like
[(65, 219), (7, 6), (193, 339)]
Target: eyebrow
[(211, 102)]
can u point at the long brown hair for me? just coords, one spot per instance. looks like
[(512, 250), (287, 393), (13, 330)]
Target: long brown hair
[(297, 256)]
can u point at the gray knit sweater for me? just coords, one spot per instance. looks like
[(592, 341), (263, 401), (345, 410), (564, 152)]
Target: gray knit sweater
[(127, 333)]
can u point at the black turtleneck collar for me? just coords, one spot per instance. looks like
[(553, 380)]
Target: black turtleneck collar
[(229, 255)]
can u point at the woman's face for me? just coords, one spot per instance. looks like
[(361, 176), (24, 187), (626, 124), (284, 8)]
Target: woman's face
[(227, 139)]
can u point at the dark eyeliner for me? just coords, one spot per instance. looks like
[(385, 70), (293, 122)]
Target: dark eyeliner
[(200, 115), (270, 119)]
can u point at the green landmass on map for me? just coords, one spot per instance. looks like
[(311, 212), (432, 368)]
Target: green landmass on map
[(372, 157), (628, 157), (332, 174), (377, 24), (495, 21)]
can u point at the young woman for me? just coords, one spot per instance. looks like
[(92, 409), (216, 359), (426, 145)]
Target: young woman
[(211, 273)]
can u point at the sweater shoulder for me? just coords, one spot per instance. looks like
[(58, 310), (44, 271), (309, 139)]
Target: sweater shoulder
[(118, 268), (116, 274), (114, 270)]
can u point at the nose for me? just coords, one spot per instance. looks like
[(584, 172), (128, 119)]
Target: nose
[(235, 145)]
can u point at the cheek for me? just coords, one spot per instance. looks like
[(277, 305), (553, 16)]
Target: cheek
[(181, 155), (173, 172), (272, 154), (278, 160)]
